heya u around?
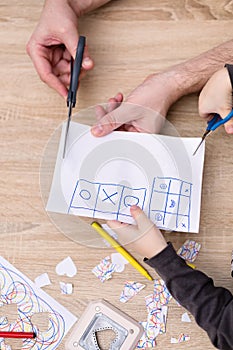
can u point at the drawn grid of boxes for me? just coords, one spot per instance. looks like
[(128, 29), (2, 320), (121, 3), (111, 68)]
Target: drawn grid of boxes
[(169, 201)]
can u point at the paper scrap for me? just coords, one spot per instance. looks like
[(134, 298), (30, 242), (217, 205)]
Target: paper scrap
[(119, 261), (66, 288), (161, 295), (42, 280), (104, 269), (130, 290), (5, 347), (189, 250), (163, 317), (30, 299), (181, 338), (66, 267), (144, 342), (161, 174), (185, 317)]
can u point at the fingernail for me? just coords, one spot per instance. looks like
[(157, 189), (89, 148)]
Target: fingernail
[(97, 130), (133, 207), (229, 129), (87, 61)]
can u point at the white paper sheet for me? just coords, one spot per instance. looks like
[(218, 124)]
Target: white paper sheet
[(103, 177), (18, 289)]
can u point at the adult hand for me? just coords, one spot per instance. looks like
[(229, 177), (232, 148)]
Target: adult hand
[(54, 42), (216, 97), (145, 238), (144, 109)]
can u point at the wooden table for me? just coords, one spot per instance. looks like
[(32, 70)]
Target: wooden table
[(128, 40)]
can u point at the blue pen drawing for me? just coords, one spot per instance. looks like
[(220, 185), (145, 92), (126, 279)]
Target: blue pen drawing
[(107, 198), (169, 201)]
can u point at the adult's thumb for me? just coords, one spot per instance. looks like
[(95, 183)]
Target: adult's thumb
[(70, 40)]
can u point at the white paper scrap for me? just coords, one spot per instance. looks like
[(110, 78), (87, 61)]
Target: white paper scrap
[(185, 317), (66, 267), (119, 261), (42, 280), (107, 175), (66, 288)]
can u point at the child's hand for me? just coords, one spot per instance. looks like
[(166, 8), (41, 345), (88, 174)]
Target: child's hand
[(145, 238), (216, 97)]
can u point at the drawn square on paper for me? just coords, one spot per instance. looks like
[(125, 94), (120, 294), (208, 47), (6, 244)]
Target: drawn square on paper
[(161, 185), (85, 195), (186, 189), (108, 200), (175, 186), (158, 201), (184, 205), (131, 196), (157, 217), (170, 221), (182, 223), (172, 203)]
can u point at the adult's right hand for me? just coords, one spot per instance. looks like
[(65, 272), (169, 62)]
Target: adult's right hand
[(54, 42), (145, 108)]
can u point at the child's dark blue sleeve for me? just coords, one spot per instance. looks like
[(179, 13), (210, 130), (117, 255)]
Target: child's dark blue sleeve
[(211, 306)]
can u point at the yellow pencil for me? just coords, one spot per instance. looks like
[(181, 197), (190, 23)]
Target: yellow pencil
[(121, 250), (191, 265)]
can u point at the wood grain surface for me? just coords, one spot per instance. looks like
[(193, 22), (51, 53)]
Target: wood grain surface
[(128, 41)]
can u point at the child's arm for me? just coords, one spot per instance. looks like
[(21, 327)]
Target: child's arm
[(211, 306)]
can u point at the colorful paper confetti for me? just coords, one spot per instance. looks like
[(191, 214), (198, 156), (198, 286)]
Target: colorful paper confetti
[(161, 295), (130, 290), (161, 291), (182, 337), (189, 250), (144, 342), (104, 270)]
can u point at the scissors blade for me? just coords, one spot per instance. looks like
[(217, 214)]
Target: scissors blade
[(67, 128), (202, 139)]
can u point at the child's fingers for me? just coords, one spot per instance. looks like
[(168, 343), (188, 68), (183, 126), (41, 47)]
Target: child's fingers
[(144, 224), (99, 112), (114, 102), (126, 233)]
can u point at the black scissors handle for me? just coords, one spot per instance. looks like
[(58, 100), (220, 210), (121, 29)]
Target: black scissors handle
[(75, 72)]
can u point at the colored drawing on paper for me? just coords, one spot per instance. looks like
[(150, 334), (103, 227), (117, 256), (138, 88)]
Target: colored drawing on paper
[(18, 289), (189, 250), (130, 289), (104, 269)]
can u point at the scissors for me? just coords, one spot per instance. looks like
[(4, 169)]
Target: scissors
[(212, 125), (75, 70)]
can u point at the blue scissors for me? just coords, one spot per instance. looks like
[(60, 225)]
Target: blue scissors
[(212, 125)]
